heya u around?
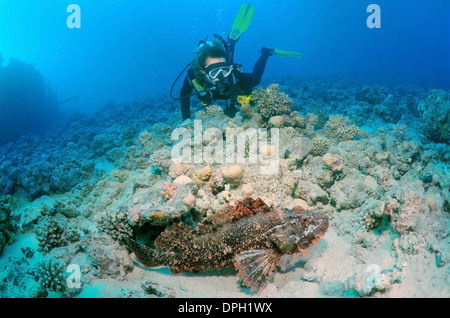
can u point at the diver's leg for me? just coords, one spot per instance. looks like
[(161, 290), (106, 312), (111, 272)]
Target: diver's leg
[(260, 66)]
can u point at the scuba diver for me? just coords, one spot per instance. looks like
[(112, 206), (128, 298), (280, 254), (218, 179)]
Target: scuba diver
[(212, 70), (213, 75)]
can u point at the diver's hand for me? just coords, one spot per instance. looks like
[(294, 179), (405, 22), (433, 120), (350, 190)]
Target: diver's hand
[(267, 51)]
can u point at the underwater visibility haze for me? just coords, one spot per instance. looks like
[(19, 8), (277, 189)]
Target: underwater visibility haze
[(318, 129)]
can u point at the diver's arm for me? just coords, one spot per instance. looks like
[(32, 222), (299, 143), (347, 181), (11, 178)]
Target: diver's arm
[(185, 100), (248, 81), (260, 66)]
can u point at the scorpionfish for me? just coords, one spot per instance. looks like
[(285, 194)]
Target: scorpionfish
[(250, 237)]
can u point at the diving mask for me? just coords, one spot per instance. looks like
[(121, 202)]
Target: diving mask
[(216, 69)]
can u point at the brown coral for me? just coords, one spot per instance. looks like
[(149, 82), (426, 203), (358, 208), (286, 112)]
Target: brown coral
[(320, 145), (339, 127), (413, 206), (271, 101), (216, 182), (405, 214)]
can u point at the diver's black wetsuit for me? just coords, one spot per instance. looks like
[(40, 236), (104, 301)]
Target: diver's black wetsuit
[(244, 84)]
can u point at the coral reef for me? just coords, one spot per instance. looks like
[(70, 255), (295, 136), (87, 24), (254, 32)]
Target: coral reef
[(348, 193), (310, 192), (51, 275), (435, 113), (370, 219), (17, 279), (155, 212), (183, 179), (373, 94), (168, 191), (339, 128), (161, 159), (116, 226), (7, 228), (180, 167), (119, 175), (205, 173), (333, 163), (320, 145), (276, 121), (52, 234), (214, 111), (232, 174), (217, 182), (108, 260), (135, 215), (367, 283), (376, 171), (63, 158)]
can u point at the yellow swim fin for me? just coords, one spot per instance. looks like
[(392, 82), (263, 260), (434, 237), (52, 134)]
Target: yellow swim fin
[(242, 21)]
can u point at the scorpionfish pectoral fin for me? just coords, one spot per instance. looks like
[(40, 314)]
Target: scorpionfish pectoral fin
[(255, 267)]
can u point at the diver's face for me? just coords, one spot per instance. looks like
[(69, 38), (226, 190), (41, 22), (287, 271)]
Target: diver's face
[(213, 60)]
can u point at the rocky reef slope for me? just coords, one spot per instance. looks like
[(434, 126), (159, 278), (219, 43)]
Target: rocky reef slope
[(374, 158)]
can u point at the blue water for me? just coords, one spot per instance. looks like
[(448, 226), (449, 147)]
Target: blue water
[(125, 50)]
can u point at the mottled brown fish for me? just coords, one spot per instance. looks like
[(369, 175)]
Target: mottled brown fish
[(250, 237)]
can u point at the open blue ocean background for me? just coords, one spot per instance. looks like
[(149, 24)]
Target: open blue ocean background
[(126, 50)]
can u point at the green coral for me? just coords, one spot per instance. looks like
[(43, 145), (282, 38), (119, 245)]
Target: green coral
[(371, 214), (271, 102), (374, 192), (51, 275), (369, 219), (119, 175)]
